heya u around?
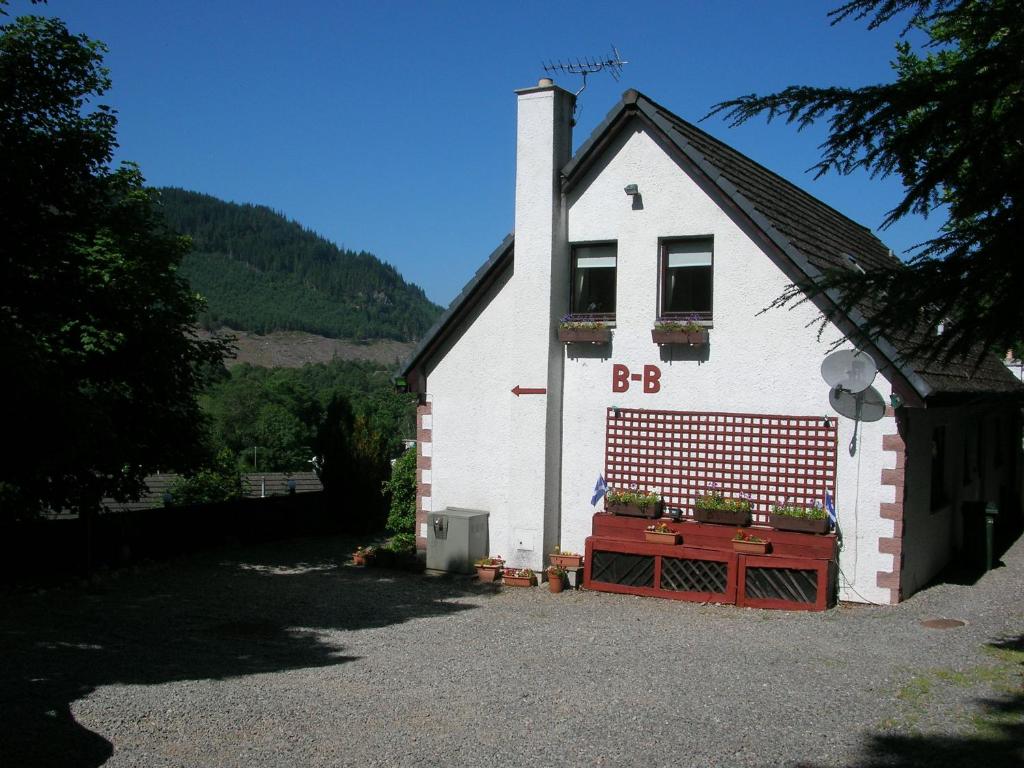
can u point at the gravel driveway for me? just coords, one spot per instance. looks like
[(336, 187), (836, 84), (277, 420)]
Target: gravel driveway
[(283, 655)]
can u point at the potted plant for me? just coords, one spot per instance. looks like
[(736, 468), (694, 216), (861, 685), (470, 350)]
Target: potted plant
[(583, 328), (788, 517), (556, 578), (660, 533), (633, 503), (363, 555), (565, 558), (715, 507), (522, 577), (488, 569), (685, 331), (748, 543)]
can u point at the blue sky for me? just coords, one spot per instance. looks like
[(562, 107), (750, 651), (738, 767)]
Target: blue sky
[(390, 126)]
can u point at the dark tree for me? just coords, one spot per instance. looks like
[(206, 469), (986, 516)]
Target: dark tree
[(95, 323), (950, 126)]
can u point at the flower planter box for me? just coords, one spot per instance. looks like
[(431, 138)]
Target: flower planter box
[(750, 547), (679, 337), (488, 573), (656, 537), (519, 581), (652, 511), (802, 524), (585, 335), (721, 516), (567, 561)]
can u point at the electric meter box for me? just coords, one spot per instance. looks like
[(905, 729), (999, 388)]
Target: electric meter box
[(456, 538)]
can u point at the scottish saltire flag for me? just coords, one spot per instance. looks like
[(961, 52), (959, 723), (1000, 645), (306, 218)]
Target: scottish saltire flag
[(830, 507), (600, 489)]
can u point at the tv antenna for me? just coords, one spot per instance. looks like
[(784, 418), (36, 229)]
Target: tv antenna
[(588, 66), (849, 373)]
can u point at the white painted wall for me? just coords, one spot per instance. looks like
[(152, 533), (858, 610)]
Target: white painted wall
[(757, 363)]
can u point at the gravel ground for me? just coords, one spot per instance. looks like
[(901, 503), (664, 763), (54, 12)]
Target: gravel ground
[(284, 655)]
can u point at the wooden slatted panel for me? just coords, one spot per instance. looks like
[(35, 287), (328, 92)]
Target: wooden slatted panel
[(794, 584), (680, 454), (621, 568), (684, 575)]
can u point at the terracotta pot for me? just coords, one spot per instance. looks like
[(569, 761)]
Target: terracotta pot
[(652, 511), (359, 559), (786, 523), (721, 516), (750, 547), (488, 573), (656, 537), (556, 583), (585, 335), (567, 561)]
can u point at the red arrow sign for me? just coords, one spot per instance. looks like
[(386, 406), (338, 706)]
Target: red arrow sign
[(517, 391)]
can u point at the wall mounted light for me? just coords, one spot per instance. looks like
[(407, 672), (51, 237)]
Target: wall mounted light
[(632, 189)]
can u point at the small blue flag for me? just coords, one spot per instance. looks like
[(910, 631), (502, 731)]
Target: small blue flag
[(600, 489), (830, 507)]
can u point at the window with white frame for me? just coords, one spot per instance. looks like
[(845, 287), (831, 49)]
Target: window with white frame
[(593, 280), (687, 278)]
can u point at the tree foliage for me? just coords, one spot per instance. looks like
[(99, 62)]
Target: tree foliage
[(401, 491), (221, 480), (281, 412), (261, 272), (950, 127), (94, 319)]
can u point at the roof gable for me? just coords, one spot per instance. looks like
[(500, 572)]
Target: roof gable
[(809, 233)]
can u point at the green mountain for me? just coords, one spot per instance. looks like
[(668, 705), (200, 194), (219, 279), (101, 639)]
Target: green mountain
[(261, 272)]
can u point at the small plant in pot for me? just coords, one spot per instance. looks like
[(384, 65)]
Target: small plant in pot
[(583, 328), (565, 558), (660, 533), (748, 543), (363, 555), (713, 506), (520, 577), (488, 569), (556, 578), (685, 331), (790, 517), (633, 503)]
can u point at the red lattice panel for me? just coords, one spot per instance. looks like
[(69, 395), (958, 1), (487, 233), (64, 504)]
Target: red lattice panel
[(680, 454)]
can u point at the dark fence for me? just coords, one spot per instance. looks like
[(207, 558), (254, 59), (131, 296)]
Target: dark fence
[(48, 551)]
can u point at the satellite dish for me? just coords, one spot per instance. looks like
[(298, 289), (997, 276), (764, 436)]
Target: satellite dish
[(849, 370), (867, 405)]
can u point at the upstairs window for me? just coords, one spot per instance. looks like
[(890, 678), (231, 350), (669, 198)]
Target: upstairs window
[(686, 278), (593, 280)]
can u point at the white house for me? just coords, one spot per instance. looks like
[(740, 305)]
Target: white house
[(653, 218)]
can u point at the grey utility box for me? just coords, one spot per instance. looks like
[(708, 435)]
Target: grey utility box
[(456, 538)]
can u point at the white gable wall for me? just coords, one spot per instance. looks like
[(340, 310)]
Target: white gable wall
[(767, 363)]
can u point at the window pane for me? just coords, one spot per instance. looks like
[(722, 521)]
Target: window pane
[(594, 279), (687, 276)]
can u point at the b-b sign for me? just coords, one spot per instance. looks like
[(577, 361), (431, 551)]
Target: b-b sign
[(621, 377)]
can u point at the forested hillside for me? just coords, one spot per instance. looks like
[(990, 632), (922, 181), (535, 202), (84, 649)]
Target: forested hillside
[(261, 272)]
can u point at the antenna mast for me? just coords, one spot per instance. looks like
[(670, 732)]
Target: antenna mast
[(588, 66)]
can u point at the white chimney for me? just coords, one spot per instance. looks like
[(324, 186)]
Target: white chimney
[(539, 292)]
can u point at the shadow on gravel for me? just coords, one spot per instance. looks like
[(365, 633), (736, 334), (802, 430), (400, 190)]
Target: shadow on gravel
[(999, 742), (214, 616)]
